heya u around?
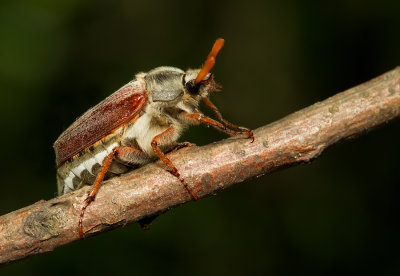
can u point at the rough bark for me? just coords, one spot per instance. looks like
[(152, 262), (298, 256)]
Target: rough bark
[(150, 190)]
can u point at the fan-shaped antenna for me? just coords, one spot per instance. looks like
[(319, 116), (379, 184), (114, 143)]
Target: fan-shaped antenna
[(210, 61)]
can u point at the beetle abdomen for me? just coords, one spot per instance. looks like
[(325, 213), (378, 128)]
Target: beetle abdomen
[(83, 168)]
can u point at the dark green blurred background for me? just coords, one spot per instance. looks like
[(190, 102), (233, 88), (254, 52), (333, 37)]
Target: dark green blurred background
[(338, 215)]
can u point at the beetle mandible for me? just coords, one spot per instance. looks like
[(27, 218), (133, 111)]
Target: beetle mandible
[(136, 124)]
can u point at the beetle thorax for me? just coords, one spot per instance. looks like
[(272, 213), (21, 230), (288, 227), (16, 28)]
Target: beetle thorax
[(164, 84)]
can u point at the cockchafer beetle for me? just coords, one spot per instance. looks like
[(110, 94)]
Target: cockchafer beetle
[(136, 124)]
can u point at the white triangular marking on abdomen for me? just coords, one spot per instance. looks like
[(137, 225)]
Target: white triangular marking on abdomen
[(68, 182), (100, 156), (78, 170), (89, 163), (110, 147)]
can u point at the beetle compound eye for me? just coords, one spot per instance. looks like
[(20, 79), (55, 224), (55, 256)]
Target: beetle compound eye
[(192, 88)]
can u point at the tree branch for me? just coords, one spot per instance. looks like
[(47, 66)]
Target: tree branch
[(151, 190)]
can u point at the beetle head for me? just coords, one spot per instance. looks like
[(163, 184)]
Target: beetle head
[(201, 89), (200, 81), (164, 84)]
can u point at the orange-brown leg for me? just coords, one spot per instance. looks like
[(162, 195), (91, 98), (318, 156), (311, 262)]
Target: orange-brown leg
[(95, 188), (124, 153), (179, 146), (155, 143), (228, 124), (198, 117)]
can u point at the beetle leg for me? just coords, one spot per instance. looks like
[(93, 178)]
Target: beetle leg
[(155, 144), (95, 188), (179, 146), (126, 154), (228, 124), (198, 117), (131, 156)]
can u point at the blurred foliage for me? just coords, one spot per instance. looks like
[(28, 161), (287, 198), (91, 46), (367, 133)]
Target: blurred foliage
[(338, 215)]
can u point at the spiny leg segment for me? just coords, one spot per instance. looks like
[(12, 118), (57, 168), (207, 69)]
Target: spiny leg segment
[(228, 124), (155, 143), (124, 153), (199, 117)]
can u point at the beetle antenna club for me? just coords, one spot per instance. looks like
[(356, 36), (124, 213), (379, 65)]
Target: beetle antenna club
[(210, 61), (137, 124)]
